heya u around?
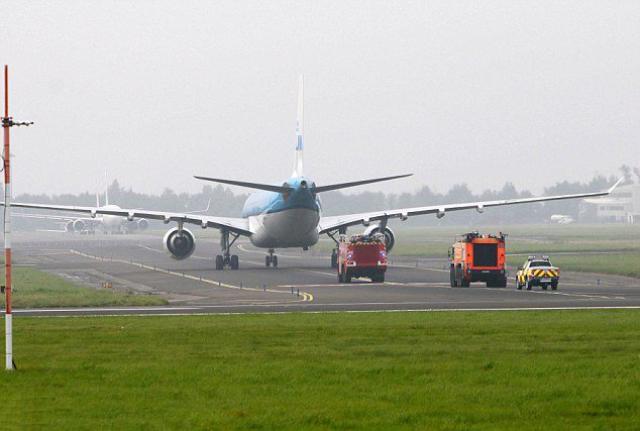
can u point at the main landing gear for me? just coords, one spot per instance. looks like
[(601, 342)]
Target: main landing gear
[(271, 259), (334, 258), (334, 252), (226, 258)]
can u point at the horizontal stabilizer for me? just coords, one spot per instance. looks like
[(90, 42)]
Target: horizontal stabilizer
[(267, 187), (320, 189)]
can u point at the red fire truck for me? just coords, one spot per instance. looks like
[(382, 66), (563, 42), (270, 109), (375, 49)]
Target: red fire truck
[(475, 257), (362, 256)]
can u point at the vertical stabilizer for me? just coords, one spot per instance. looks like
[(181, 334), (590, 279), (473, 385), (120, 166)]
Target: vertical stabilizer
[(298, 168), (106, 189)]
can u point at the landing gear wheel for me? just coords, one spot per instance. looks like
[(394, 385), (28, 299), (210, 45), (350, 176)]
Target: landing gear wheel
[(219, 262), (271, 259), (233, 262), (334, 258)]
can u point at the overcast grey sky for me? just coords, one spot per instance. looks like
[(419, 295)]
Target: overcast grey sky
[(475, 92)]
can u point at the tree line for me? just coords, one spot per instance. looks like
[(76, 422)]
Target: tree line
[(226, 203)]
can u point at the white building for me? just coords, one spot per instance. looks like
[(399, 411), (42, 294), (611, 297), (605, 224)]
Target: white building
[(621, 206)]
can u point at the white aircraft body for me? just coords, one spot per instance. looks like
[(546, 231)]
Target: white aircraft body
[(286, 215), (107, 223), (561, 219)]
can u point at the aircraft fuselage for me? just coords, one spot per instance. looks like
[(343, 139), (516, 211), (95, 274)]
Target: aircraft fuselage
[(284, 219)]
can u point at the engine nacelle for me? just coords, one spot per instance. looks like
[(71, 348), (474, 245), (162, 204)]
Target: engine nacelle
[(389, 236), (78, 225), (143, 224), (179, 245)]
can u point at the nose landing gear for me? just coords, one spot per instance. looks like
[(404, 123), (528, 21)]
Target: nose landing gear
[(271, 259), (226, 258)]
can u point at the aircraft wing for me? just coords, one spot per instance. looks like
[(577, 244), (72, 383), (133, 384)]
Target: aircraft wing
[(237, 225), (328, 224)]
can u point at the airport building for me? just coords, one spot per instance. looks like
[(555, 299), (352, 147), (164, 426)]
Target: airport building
[(621, 206)]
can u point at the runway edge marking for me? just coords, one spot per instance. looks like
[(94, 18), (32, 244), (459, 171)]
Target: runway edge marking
[(306, 297)]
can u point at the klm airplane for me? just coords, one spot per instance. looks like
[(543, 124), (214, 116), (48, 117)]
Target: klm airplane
[(286, 215)]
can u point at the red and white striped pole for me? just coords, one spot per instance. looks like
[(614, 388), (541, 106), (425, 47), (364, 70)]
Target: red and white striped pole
[(7, 226)]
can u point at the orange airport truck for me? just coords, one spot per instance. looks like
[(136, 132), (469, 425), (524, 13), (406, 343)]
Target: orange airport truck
[(362, 256), (475, 257)]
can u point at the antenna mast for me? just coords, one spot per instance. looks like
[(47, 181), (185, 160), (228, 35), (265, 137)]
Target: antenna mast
[(7, 122)]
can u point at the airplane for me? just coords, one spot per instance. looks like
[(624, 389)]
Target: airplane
[(87, 225), (561, 219), (288, 214)]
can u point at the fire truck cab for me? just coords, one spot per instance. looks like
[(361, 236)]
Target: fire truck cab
[(476, 257)]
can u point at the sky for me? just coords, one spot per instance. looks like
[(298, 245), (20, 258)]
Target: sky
[(455, 92)]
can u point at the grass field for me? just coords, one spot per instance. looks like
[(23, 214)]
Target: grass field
[(611, 263), (34, 288), (439, 370)]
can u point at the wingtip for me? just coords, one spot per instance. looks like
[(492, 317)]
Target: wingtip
[(613, 187)]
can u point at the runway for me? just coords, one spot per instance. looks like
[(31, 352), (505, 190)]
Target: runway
[(302, 282)]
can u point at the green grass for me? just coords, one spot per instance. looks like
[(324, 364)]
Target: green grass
[(34, 288), (614, 263), (441, 370)]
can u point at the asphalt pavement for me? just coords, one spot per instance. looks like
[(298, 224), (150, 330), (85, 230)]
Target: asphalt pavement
[(302, 282)]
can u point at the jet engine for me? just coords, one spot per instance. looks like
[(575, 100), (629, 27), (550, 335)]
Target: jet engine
[(139, 224), (179, 244), (78, 225), (389, 237), (143, 224)]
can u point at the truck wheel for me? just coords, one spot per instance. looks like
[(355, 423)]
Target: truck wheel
[(452, 277), (340, 277), (518, 285), (378, 277), (528, 284), (554, 286), (347, 276), (544, 286), (458, 277), (464, 283)]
